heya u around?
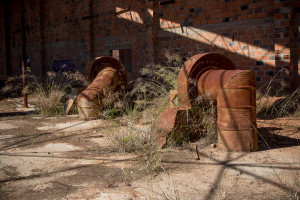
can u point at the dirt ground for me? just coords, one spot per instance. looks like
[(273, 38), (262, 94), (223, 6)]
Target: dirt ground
[(67, 158)]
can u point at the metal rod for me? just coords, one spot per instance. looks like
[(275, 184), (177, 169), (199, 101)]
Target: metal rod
[(25, 98), (197, 151)]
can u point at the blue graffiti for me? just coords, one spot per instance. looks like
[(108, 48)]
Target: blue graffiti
[(64, 65)]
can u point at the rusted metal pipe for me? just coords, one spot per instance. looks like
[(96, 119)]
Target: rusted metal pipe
[(191, 71), (234, 91), (214, 76), (104, 72)]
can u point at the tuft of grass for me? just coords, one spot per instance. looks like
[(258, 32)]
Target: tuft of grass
[(198, 123), (206, 123), (166, 76), (279, 106), (53, 93), (279, 101), (129, 137), (49, 102)]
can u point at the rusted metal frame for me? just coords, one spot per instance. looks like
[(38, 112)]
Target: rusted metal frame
[(23, 38)]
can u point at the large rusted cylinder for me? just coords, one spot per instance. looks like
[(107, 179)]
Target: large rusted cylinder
[(105, 73), (234, 92), (215, 76)]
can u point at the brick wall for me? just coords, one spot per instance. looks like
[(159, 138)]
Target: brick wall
[(296, 42), (14, 10), (256, 35), (2, 42), (248, 32), (127, 30), (33, 40)]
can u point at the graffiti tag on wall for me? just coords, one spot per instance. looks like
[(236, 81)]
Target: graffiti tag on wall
[(64, 65)]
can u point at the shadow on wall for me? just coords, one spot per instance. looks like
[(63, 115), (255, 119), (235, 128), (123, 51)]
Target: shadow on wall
[(249, 45)]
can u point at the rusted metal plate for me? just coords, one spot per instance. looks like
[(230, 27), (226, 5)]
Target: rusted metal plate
[(164, 125), (177, 124)]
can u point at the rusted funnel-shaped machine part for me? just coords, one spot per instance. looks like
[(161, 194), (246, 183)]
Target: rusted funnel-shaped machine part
[(234, 92), (105, 73)]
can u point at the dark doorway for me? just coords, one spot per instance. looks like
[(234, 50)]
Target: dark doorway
[(124, 56)]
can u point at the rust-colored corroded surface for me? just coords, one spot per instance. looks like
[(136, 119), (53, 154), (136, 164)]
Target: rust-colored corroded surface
[(214, 76), (193, 68), (105, 72), (234, 92), (173, 122), (165, 124)]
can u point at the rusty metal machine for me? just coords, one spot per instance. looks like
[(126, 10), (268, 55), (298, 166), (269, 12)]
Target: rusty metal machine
[(105, 73), (234, 91)]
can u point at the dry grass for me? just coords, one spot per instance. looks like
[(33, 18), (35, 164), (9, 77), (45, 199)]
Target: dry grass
[(14, 86), (151, 96), (129, 137), (206, 121), (53, 93), (279, 102), (134, 130), (276, 100), (49, 102)]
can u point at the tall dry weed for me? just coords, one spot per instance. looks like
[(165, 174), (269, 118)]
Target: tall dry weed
[(53, 93), (276, 100), (134, 131)]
